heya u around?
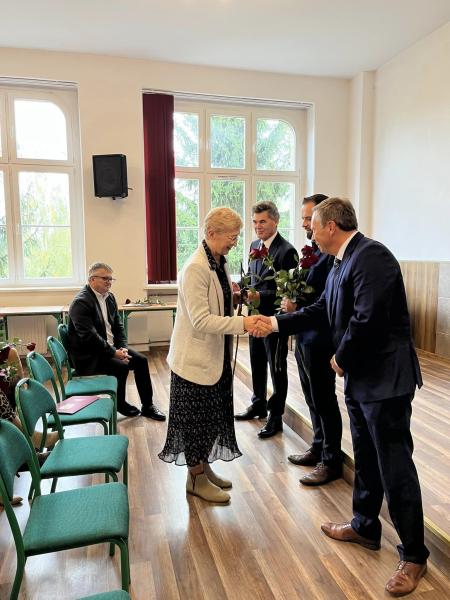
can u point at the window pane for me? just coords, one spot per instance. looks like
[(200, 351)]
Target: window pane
[(46, 252), (40, 130), (227, 142), (4, 273), (283, 195), (186, 142), (45, 220), (44, 198), (187, 210), (231, 194), (275, 145)]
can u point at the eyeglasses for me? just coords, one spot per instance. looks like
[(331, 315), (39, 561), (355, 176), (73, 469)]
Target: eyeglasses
[(104, 278), (233, 238)]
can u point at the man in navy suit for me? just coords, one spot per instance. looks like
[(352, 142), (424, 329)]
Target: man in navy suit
[(264, 351), (313, 352), (364, 303)]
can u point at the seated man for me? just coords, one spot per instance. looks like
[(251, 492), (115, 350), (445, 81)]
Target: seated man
[(97, 342)]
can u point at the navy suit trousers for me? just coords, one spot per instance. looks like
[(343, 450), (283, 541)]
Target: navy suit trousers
[(383, 448), (318, 381), (263, 352)]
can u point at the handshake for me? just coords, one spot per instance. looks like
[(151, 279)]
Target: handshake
[(258, 325)]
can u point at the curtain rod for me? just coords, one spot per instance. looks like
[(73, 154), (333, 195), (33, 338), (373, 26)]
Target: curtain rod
[(232, 99)]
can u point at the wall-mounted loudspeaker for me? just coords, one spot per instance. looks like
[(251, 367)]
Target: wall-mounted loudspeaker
[(110, 175)]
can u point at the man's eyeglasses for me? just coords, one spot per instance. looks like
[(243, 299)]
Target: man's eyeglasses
[(104, 278)]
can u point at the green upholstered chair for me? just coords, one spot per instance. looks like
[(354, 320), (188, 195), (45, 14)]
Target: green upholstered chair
[(64, 520), (101, 411), (116, 595), (81, 386), (76, 456)]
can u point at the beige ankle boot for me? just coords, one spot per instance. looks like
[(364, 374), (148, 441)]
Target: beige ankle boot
[(199, 485), (216, 479)]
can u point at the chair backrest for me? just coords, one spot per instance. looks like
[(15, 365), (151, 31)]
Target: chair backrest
[(14, 452), (41, 370), (61, 361), (63, 333), (34, 402)]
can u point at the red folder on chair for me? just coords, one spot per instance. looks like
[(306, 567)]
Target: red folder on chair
[(74, 404)]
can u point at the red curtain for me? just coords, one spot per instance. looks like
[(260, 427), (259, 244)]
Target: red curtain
[(160, 188)]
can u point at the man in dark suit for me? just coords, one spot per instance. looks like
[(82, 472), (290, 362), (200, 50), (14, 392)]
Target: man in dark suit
[(313, 352), (364, 303), (265, 217), (97, 342)]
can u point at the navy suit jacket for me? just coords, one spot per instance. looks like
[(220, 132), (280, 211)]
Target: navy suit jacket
[(364, 303), (317, 277), (283, 254)]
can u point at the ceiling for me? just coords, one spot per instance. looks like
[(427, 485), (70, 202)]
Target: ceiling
[(312, 37)]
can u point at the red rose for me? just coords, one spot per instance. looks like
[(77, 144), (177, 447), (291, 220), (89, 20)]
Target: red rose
[(256, 253), (308, 257), (31, 346)]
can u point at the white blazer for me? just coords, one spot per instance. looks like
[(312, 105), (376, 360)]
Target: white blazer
[(197, 344)]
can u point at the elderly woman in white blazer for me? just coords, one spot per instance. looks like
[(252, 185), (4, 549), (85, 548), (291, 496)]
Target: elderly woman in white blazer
[(201, 424)]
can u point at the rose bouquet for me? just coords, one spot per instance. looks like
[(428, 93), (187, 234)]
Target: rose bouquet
[(292, 284)]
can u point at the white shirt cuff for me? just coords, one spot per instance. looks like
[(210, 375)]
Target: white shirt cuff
[(274, 322)]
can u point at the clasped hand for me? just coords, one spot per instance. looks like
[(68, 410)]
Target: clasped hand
[(258, 325)]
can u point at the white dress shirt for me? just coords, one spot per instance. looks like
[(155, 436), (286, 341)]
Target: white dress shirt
[(102, 301)]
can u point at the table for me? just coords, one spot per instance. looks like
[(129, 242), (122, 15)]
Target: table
[(29, 311), (127, 309)]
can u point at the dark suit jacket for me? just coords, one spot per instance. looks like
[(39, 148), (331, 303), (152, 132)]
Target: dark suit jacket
[(317, 277), (365, 306), (87, 333), (283, 254)]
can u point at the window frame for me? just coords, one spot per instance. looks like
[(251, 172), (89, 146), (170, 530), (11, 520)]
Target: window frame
[(295, 117), (67, 100)]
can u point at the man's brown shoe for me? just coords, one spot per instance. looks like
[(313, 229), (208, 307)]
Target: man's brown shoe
[(308, 459), (406, 577), (322, 474), (343, 532)]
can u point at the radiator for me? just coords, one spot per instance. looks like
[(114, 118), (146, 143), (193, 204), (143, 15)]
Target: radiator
[(29, 329)]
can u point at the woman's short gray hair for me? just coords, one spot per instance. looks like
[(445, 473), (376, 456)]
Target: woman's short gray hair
[(220, 220), (97, 266), (339, 210)]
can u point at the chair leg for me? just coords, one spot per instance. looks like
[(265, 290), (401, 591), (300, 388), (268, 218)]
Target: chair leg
[(114, 417), (124, 564), (21, 560), (105, 427), (112, 549), (125, 470), (54, 484)]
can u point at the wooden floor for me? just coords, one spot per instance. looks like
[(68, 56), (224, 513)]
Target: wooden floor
[(266, 544), (430, 428)]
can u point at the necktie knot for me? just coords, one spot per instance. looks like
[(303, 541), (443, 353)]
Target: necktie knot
[(337, 263)]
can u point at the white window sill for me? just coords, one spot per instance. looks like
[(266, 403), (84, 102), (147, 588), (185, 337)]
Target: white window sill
[(161, 288), (16, 290)]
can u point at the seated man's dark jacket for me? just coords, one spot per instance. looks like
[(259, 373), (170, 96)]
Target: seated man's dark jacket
[(88, 344), (368, 315), (283, 254)]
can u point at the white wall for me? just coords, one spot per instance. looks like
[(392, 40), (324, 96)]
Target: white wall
[(110, 102), (411, 192)]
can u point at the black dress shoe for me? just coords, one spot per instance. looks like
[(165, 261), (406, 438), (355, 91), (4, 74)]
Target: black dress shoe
[(273, 426), (322, 474), (153, 412), (252, 412), (308, 459), (128, 410)]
